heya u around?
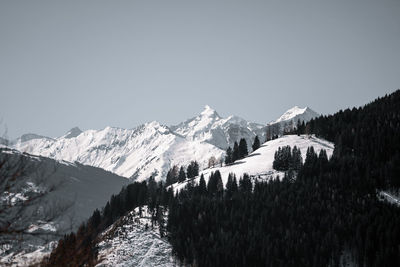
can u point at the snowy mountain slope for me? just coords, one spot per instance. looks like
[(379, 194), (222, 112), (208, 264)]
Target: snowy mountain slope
[(259, 163), (150, 149), (129, 242), (290, 118), (50, 199), (221, 132), (304, 114)]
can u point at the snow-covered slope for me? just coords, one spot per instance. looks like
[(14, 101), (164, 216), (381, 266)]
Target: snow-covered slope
[(290, 118), (150, 149), (295, 113), (259, 163), (221, 132), (131, 241)]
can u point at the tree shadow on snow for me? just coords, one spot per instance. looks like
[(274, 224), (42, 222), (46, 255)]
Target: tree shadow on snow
[(253, 155)]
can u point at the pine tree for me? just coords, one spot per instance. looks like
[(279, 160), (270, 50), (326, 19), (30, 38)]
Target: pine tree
[(212, 184), (256, 144), (182, 175), (202, 188), (231, 185), (172, 176), (286, 153), (243, 152), (170, 179), (287, 160), (193, 169), (245, 184), (297, 160), (228, 156), (219, 184), (235, 154)]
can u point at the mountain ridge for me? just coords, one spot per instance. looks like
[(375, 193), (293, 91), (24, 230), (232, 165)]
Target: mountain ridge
[(149, 149)]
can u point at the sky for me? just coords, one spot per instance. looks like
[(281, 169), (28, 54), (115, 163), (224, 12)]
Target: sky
[(94, 64)]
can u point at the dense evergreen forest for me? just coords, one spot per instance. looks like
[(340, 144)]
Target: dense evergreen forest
[(330, 211), (327, 214)]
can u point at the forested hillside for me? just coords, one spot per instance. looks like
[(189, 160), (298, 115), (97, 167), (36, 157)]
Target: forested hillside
[(328, 215), (370, 135), (326, 212)]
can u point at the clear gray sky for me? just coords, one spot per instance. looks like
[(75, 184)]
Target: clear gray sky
[(122, 63)]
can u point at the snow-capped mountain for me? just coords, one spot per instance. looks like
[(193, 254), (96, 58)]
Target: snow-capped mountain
[(150, 149), (221, 132), (295, 114)]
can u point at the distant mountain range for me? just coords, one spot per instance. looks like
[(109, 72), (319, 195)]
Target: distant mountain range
[(152, 148), (73, 190)]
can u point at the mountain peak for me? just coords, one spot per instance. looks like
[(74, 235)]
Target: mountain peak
[(208, 111), (156, 126), (297, 111), (74, 132)]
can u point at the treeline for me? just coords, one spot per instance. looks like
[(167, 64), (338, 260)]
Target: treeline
[(329, 212), (314, 220), (371, 134), (178, 174), (240, 150), (329, 216), (286, 159), (78, 249)]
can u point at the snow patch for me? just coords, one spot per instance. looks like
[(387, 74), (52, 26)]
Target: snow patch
[(132, 242)]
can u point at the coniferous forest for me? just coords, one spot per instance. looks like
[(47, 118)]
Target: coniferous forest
[(327, 214)]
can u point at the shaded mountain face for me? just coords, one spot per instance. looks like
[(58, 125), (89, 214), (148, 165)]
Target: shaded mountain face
[(74, 132), (152, 149), (47, 199)]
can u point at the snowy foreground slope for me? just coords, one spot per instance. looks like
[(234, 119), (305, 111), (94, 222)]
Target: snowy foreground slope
[(132, 242), (259, 163)]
